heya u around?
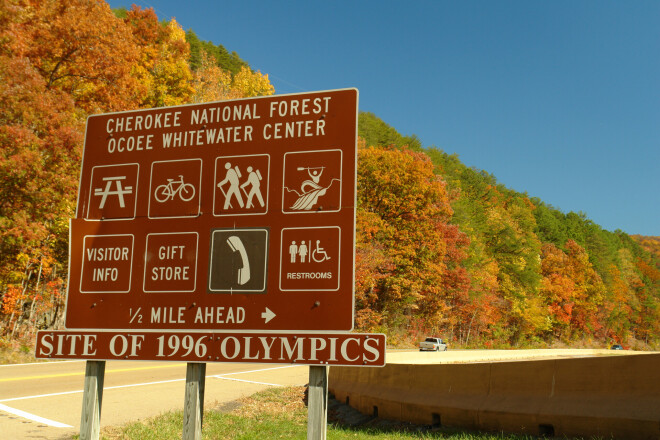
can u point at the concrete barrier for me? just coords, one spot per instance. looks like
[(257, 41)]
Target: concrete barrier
[(608, 396)]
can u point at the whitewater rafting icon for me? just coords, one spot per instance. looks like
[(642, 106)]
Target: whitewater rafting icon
[(312, 181), (310, 189)]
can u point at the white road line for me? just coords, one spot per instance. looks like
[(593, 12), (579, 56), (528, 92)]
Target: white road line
[(143, 384), (39, 363), (64, 393), (220, 376), (104, 388), (62, 425), (27, 415)]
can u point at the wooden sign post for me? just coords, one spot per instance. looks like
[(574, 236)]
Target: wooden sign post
[(90, 419), (193, 408), (317, 403)]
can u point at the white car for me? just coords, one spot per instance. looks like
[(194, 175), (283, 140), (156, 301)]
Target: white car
[(433, 344)]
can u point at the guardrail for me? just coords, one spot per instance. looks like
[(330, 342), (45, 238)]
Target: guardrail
[(608, 396)]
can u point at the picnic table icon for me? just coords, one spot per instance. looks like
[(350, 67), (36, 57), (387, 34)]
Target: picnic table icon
[(120, 191)]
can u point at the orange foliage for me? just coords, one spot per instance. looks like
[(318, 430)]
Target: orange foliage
[(78, 47), (162, 69), (58, 61), (572, 290), (212, 83), (653, 273), (651, 244), (407, 254)]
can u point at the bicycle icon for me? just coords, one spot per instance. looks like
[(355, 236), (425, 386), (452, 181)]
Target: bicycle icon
[(165, 192)]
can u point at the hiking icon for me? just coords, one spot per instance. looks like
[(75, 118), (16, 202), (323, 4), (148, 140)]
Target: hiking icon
[(254, 179), (241, 185), (233, 178)]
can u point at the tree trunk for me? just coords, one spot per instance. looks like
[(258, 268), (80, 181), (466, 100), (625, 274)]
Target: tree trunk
[(31, 324)]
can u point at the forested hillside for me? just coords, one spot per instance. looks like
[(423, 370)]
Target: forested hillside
[(514, 271), (441, 248)]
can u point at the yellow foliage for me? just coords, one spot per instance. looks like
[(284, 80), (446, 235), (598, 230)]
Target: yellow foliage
[(251, 84), (212, 83), (163, 70)]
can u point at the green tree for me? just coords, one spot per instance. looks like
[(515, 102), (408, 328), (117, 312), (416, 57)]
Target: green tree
[(223, 58), (377, 133)]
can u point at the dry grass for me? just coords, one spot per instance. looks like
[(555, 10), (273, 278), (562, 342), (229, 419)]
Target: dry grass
[(287, 402), (17, 351)]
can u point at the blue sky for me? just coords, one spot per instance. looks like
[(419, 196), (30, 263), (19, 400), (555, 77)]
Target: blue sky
[(559, 99)]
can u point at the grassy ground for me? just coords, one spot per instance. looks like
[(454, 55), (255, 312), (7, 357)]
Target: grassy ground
[(279, 413)]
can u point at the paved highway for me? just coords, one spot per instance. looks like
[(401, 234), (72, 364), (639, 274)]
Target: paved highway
[(44, 400)]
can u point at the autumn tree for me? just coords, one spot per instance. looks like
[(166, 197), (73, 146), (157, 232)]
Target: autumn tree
[(249, 83), (440, 246), (650, 244), (58, 62), (510, 239), (572, 291), (212, 83), (503, 261), (162, 70), (408, 254), (77, 47), (376, 132), (40, 135), (534, 272), (649, 321)]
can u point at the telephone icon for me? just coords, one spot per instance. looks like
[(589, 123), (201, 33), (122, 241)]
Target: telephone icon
[(236, 245)]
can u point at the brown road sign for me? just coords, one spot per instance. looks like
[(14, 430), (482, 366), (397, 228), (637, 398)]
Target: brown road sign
[(357, 349), (234, 215)]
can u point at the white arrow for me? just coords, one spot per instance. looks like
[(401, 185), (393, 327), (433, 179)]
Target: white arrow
[(268, 315)]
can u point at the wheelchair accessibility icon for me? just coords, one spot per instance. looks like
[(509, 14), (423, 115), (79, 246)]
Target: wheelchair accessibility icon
[(319, 254), (309, 259), (299, 252)]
